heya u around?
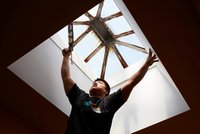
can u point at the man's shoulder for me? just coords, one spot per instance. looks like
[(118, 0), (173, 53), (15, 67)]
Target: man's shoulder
[(76, 91), (117, 93)]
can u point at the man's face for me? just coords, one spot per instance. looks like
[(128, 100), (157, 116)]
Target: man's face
[(98, 89)]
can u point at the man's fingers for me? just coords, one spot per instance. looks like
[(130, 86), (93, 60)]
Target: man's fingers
[(155, 60), (154, 56), (67, 50), (150, 52), (64, 51)]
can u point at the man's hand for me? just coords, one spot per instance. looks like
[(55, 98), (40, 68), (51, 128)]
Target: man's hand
[(151, 58), (66, 52)]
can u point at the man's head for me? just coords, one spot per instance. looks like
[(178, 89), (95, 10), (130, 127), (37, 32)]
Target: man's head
[(100, 88)]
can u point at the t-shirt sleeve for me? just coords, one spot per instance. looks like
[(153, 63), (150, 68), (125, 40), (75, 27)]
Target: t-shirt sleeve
[(75, 94), (115, 101)]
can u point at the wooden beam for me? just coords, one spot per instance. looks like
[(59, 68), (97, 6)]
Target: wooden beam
[(101, 30), (89, 15), (103, 70), (112, 16), (93, 53), (81, 36), (132, 46), (119, 56), (124, 34), (81, 23), (100, 9)]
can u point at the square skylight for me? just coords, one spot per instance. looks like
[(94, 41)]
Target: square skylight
[(104, 42), (154, 99)]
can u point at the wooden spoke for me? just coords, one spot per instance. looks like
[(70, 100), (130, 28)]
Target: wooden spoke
[(119, 56), (100, 9), (103, 70), (138, 48), (93, 53), (124, 34), (81, 36), (112, 16), (89, 15), (81, 23)]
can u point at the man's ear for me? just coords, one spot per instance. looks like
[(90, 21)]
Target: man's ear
[(106, 92)]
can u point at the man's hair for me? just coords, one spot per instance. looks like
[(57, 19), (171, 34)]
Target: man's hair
[(106, 83)]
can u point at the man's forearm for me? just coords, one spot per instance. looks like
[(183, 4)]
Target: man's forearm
[(134, 80), (65, 70), (138, 76)]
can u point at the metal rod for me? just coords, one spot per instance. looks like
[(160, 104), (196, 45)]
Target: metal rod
[(99, 9), (70, 38), (112, 16), (132, 46), (103, 70), (119, 56), (124, 34), (93, 53)]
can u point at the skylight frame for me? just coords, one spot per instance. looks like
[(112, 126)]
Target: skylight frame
[(115, 49)]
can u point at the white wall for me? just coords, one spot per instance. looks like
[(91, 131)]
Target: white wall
[(153, 100), (40, 69)]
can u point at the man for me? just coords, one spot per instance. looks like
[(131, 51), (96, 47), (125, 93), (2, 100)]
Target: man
[(93, 113)]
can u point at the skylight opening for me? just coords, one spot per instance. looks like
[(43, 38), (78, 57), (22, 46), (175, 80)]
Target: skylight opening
[(103, 34)]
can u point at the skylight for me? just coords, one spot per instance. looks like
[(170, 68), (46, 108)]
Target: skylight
[(149, 103), (104, 40)]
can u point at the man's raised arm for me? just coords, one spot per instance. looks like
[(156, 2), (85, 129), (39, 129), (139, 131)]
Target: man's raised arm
[(65, 71), (137, 77)]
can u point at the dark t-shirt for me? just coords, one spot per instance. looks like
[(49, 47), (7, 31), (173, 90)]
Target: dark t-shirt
[(92, 115)]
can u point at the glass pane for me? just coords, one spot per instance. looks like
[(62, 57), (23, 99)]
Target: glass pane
[(95, 64), (132, 39), (86, 45), (120, 23), (113, 65), (109, 8), (131, 56), (78, 30)]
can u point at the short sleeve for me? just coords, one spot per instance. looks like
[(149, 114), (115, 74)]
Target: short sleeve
[(114, 101), (75, 94)]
